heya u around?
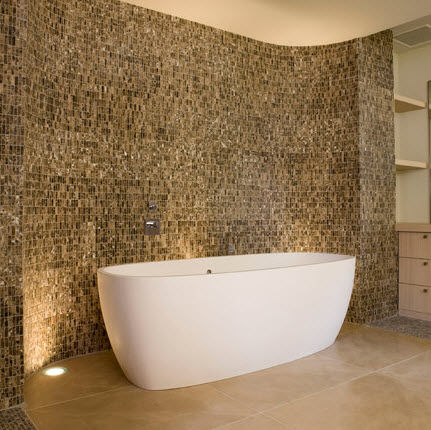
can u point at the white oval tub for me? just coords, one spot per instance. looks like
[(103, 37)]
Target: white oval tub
[(173, 325)]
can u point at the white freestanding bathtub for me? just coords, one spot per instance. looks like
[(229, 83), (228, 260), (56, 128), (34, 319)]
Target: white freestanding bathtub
[(173, 325)]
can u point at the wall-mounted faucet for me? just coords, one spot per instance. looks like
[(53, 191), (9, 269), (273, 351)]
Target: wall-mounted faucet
[(152, 226)]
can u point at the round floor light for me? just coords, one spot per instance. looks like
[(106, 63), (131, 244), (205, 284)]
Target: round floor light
[(54, 371)]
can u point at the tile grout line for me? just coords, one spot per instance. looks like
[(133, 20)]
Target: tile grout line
[(402, 361), (238, 401), (367, 373), (346, 382), (288, 427), (319, 391), (263, 412), (251, 416), (370, 372), (234, 422), (257, 412), (342, 361), (399, 378), (77, 398)]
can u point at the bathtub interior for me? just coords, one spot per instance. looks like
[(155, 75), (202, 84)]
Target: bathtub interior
[(226, 264)]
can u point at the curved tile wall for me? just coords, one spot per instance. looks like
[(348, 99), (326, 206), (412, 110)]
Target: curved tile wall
[(13, 15), (271, 148)]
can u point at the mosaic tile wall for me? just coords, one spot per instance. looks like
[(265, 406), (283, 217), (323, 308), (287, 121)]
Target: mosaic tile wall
[(376, 294), (12, 41), (236, 140)]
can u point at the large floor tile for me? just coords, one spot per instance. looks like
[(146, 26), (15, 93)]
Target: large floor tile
[(348, 328), (416, 371), (256, 422), (374, 402), (200, 407), (86, 375), (374, 348), (266, 389)]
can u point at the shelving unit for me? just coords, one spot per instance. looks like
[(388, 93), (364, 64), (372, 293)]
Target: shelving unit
[(407, 104), (403, 165), (411, 173)]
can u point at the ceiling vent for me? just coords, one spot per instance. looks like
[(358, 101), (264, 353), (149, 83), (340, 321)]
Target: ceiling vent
[(416, 37)]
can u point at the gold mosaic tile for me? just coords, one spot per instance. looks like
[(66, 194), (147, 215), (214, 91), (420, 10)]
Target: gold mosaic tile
[(12, 81)]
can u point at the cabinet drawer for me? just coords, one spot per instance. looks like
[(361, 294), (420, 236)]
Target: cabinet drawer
[(415, 298), (415, 245), (415, 271)]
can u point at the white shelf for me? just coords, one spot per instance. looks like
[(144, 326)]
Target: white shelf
[(403, 165), (407, 104)]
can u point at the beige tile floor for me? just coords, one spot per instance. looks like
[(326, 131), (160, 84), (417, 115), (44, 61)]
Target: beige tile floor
[(370, 379)]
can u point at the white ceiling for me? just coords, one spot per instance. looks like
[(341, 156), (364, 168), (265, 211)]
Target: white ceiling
[(295, 22)]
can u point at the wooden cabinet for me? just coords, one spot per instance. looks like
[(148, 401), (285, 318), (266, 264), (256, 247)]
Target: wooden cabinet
[(415, 270), (415, 245), (416, 301)]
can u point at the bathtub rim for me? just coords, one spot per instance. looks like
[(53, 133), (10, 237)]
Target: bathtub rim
[(104, 270)]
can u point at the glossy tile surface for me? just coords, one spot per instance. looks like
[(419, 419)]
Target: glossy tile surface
[(415, 371), (374, 348), (374, 402), (369, 379), (268, 388), (200, 407)]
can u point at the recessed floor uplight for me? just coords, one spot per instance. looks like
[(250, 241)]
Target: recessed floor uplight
[(54, 371)]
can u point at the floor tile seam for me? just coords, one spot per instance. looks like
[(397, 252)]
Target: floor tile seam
[(332, 387), (370, 372), (234, 422), (256, 411), (252, 416), (288, 427), (400, 361), (349, 381), (319, 354), (131, 387), (262, 412), (409, 385), (322, 355)]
